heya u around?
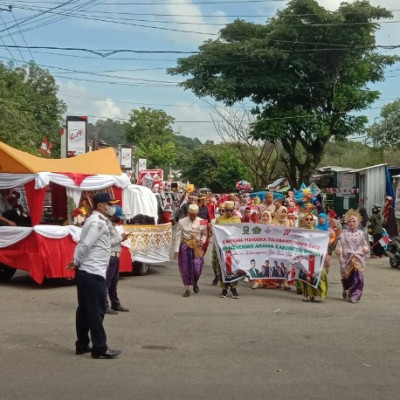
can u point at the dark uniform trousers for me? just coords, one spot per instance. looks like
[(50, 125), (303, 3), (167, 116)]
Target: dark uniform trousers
[(90, 312), (112, 278)]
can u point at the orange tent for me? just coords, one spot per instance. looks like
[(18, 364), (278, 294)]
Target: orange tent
[(103, 162)]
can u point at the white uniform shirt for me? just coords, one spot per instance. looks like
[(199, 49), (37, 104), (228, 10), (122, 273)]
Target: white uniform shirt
[(116, 238), (92, 254)]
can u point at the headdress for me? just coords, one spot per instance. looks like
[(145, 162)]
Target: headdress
[(229, 205), (193, 208), (325, 226), (352, 213), (269, 216), (302, 222)]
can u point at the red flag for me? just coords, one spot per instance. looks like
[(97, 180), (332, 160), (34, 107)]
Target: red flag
[(43, 146), (384, 241), (49, 147)]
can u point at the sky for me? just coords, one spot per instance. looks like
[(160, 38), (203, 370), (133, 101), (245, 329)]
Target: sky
[(101, 84)]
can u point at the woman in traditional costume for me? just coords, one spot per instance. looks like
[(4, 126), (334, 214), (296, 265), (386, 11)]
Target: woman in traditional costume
[(351, 249)]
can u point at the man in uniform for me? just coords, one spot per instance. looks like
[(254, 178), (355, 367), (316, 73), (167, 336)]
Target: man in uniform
[(117, 237), (91, 258)]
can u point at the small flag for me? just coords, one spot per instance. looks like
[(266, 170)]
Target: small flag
[(384, 241), (45, 147)]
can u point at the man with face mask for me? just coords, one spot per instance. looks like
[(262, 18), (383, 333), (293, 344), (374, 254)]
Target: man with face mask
[(117, 237), (91, 258)]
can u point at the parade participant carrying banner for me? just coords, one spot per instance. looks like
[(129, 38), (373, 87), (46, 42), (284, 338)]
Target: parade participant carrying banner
[(270, 252)]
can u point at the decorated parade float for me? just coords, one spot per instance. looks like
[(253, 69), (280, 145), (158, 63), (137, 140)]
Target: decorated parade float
[(52, 193)]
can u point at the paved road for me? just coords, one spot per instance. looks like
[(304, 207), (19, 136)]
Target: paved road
[(266, 345)]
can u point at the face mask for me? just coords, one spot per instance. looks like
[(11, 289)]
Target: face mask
[(111, 210)]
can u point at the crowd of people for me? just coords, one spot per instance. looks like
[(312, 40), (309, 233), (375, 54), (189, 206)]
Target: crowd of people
[(349, 238), (96, 258)]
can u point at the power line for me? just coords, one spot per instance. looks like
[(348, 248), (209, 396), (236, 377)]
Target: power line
[(135, 103), (108, 52), (154, 3), (12, 38), (23, 38)]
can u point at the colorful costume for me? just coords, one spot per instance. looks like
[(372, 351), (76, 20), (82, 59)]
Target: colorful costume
[(189, 237)]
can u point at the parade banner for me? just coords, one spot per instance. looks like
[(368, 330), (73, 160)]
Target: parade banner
[(150, 243), (270, 252)]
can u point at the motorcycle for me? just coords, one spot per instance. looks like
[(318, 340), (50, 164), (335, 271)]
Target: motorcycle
[(393, 252)]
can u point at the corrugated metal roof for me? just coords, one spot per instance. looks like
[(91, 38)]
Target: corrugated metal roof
[(333, 168), (277, 182), (372, 166)]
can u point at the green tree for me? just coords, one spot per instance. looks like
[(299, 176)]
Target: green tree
[(112, 132), (386, 131), (184, 147), (349, 154), (306, 71), (261, 157), (29, 108), (215, 167), (151, 131)]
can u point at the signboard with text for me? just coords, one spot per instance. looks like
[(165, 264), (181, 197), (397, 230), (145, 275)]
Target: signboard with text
[(77, 140)]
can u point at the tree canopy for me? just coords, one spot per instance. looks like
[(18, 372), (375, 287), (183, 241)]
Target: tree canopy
[(29, 108), (112, 132), (215, 167), (306, 71), (386, 131), (151, 131)]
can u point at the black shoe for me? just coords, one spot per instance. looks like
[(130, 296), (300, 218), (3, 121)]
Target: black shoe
[(215, 281), (82, 350), (223, 293), (120, 308), (196, 289), (106, 354), (186, 294), (110, 311), (235, 294)]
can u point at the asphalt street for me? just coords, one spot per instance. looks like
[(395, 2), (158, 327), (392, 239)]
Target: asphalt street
[(266, 344)]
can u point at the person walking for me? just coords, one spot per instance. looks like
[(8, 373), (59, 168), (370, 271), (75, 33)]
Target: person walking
[(91, 258), (351, 250), (190, 237), (389, 218), (227, 218), (376, 221), (117, 237)]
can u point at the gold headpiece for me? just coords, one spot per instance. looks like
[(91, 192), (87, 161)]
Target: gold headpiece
[(352, 213)]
